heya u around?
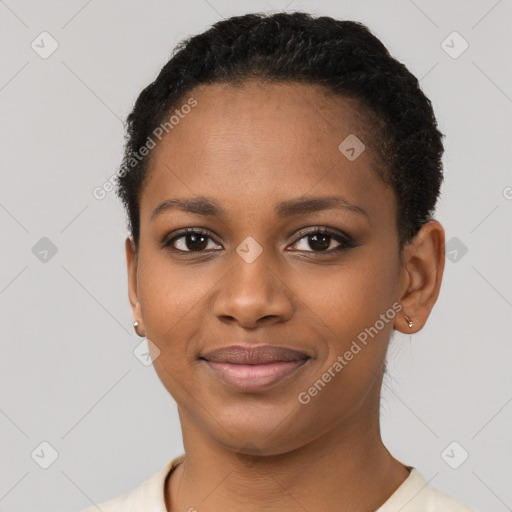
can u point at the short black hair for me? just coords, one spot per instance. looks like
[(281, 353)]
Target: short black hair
[(344, 57)]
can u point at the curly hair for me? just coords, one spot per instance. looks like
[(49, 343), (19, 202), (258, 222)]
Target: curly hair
[(342, 56)]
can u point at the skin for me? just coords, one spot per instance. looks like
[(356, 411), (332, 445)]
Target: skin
[(250, 148)]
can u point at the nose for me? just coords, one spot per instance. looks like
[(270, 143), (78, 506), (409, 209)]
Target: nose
[(252, 294)]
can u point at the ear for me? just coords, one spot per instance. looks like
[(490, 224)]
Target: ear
[(131, 263), (423, 267)]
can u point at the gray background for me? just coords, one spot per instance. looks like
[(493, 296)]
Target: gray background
[(68, 375)]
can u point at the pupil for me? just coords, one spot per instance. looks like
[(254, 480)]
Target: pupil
[(314, 244), (193, 237)]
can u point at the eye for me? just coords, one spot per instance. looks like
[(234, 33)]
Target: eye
[(190, 240), (320, 240)]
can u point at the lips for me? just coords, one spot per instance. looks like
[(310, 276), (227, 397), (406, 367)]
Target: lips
[(254, 368), (261, 354)]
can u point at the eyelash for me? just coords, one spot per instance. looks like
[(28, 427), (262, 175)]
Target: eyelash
[(345, 241)]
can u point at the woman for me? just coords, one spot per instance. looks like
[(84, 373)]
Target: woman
[(280, 177)]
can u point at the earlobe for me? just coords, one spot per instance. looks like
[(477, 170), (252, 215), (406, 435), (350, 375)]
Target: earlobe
[(424, 260)]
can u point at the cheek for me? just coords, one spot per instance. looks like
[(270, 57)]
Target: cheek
[(347, 306), (167, 290), (170, 299), (348, 296)]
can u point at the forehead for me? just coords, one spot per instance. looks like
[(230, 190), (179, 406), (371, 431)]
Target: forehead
[(255, 111), (262, 139)]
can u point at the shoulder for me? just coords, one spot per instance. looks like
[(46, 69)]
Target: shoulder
[(416, 495), (439, 501), (149, 493)]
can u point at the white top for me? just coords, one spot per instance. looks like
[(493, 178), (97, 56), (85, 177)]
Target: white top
[(414, 495)]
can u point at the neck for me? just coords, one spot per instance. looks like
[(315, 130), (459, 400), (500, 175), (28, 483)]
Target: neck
[(346, 468)]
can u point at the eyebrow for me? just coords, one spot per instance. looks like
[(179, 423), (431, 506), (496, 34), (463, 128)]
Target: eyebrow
[(209, 207)]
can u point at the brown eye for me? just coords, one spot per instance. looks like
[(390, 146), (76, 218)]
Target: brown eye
[(321, 239), (190, 240)]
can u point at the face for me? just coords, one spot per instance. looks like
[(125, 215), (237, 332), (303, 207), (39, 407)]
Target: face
[(258, 271)]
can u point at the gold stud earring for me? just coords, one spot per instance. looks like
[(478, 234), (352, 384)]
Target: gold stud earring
[(409, 321)]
